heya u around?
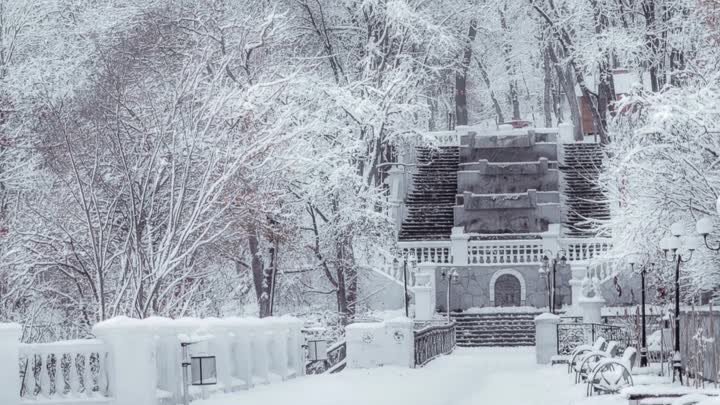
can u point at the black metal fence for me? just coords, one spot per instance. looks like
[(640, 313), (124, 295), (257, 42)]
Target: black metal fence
[(699, 332), (433, 341), (571, 335), (335, 361)]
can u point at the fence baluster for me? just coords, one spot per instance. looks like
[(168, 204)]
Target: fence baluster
[(44, 376)]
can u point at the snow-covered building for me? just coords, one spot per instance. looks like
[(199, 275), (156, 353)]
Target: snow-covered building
[(492, 205)]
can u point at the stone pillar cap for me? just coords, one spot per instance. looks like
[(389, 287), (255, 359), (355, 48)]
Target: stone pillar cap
[(547, 318)]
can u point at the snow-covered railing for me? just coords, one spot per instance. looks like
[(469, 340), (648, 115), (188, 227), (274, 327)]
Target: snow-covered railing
[(433, 341), (249, 351), (445, 138), (437, 252), (493, 252), (64, 371), (335, 362), (580, 249), (466, 251), (134, 362), (572, 335)]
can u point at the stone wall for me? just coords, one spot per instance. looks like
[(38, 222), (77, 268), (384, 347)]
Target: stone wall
[(508, 213), (473, 288), (486, 177), (474, 283), (510, 147), (509, 183), (377, 293)]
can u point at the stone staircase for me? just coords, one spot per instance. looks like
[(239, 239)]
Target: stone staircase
[(495, 329), (584, 201), (430, 204)]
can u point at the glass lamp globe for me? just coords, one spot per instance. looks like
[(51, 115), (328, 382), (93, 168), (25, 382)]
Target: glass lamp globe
[(692, 242), (675, 243), (632, 259), (704, 226), (676, 229), (665, 243)]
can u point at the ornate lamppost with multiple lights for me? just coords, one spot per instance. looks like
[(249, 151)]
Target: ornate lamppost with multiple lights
[(672, 245), (633, 260), (550, 262), (450, 276)]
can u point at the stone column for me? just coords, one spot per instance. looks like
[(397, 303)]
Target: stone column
[(546, 337), (459, 246), (132, 369), (365, 344), (9, 354), (566, 133), (400, 342), (579, 272), (425, 292), (551, 238), (396, 182), (592, 309)]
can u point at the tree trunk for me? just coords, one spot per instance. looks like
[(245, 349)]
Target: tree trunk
[(461, 111), (606, 87), (510, 66), (547, 91), (261, 278), (496, 103), (346, 281), (652, 42), (565, 78)]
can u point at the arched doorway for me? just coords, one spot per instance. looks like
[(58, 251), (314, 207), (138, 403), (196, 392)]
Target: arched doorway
[(507, 291)]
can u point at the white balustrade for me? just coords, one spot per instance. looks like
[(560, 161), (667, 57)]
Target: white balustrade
[(445, 138), (579, 249), (437, 252), (602, 271), (494, 252), (69, 369)]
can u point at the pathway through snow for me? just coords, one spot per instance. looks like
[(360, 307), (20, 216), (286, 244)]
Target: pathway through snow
[(485, 376)]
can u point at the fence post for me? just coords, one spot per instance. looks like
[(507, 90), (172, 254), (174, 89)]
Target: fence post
[(566, 133), (425, 292), (400, 339), (546, 337), (221, 347), (459, 246), (9, 354), (132, 370)]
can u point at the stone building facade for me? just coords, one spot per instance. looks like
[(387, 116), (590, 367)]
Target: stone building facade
[(492, 204)]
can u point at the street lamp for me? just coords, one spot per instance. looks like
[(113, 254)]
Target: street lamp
[(450, 277), (543, 270), (705, 227), (547, 264), (407, 256), (633, 260), (673, 244)]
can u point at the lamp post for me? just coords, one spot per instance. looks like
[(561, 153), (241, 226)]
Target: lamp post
[(545, 273), (633, 260), (673, 244), (407, 256), (551, 260), (450, 276)]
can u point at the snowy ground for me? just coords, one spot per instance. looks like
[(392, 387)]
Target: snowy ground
[(495, 376)]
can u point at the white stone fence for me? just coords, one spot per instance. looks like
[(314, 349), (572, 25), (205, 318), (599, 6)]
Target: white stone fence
[(376, 344), (462, 250), (138, 362), (398, 342)]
